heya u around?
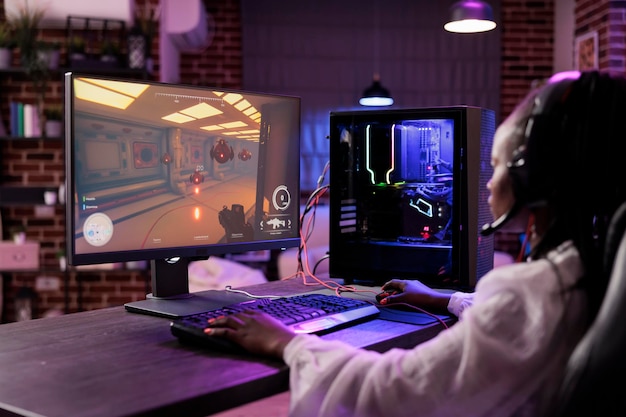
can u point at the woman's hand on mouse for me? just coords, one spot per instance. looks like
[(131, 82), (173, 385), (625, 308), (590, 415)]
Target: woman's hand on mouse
[(255, 331), (414, 293)]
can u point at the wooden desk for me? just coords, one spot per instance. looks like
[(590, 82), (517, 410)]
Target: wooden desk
[(111, 362)]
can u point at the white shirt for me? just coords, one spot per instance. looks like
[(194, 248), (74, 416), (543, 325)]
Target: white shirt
[(504, 357)]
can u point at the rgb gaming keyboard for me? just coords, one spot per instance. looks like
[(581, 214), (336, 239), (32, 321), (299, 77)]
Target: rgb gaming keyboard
[(307, 313)]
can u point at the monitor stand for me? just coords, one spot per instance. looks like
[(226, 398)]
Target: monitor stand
[(170, 295)]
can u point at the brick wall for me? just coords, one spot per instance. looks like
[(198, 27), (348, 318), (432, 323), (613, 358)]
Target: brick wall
[(220, 65), (527, 55), (41, 162), (608, 19), (527, 48)]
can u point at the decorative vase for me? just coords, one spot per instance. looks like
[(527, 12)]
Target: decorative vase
[(19, 238), (53, 128), (62, 263), (137, 50), (49, 58), (109, 59), (6, 55)]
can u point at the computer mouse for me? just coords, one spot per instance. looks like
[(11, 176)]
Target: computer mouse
[(384, 294)]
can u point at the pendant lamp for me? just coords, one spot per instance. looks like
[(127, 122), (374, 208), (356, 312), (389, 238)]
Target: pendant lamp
[(470, 16), (376, 94)]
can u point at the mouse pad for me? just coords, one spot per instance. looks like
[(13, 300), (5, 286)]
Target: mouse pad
[(410, 317)]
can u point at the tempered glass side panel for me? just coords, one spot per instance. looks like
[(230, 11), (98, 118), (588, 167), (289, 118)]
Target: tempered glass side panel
[(399, 196)]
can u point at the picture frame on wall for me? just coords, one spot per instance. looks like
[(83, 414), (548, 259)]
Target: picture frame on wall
[(586, 52)]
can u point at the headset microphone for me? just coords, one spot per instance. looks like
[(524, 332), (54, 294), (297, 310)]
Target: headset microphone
[(490, 228), (534, 166)]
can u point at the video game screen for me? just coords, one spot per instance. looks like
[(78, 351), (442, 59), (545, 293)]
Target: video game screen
[(159, 170)]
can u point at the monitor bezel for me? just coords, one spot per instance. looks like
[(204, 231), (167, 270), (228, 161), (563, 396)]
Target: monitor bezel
[(188, 252)]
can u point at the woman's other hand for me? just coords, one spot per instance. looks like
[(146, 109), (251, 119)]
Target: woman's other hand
[(255, 331)]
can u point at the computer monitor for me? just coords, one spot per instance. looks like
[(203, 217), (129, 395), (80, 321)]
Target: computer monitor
[(408, 195), (174, 173)]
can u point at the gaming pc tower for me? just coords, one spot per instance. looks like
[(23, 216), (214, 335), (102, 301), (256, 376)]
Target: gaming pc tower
[(408, 195)]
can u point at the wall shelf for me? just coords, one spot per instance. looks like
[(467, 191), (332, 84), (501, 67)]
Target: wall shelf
[(128, 72), (23, 195), (23, 138)]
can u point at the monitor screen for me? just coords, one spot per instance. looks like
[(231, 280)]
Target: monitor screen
[(165, 172)]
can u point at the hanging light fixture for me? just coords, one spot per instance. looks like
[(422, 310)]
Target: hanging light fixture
[(470, 16), (376, 94)]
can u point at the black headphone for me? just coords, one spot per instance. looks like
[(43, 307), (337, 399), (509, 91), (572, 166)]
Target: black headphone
[(535, 163)]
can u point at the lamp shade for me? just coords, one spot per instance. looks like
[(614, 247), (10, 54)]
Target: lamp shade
[(470, 16), (376, 94)]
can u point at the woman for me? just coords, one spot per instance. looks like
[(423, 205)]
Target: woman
[(507, 353)]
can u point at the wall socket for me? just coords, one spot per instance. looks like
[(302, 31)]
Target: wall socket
[(47, 283)]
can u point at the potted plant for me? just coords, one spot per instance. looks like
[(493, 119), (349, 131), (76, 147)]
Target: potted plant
[(7, 43), (76, 48), (141, 35), (146, 19), (60, 255), (110, 51), (25, 24), (18, 234), (53, 126)]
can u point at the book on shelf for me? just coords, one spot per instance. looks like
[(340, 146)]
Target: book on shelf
[(3, 133), (24, 120), (31, 121), (14, 126)]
